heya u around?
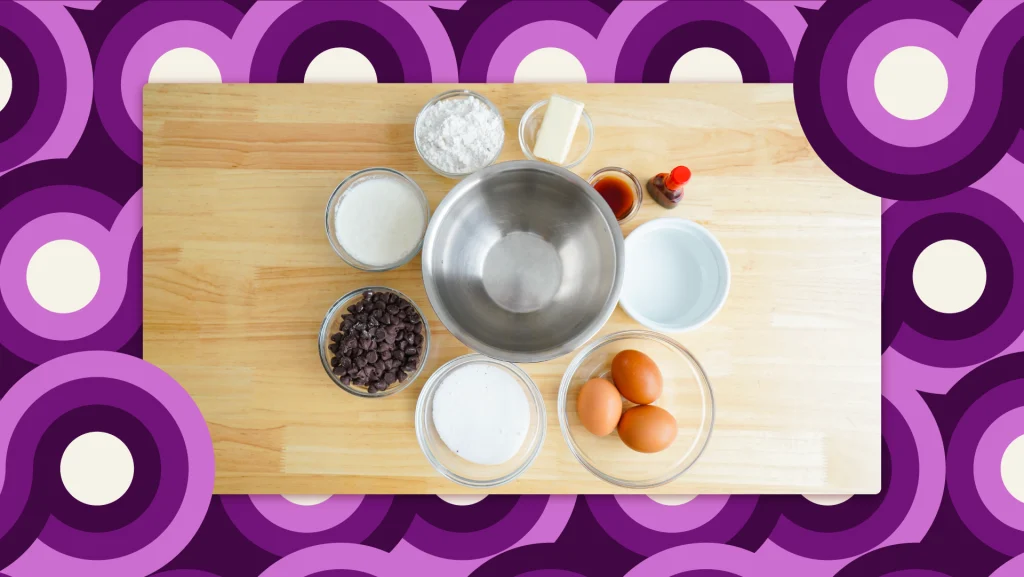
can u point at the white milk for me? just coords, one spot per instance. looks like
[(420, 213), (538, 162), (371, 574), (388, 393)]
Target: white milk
[(379, 221), (482, 414)]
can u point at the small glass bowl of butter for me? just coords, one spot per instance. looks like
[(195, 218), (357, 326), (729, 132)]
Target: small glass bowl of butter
[(567, 138)]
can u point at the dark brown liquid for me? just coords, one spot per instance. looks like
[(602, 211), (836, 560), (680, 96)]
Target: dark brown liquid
[(618, 193)]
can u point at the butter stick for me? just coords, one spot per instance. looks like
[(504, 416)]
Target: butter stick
[(561, 117)]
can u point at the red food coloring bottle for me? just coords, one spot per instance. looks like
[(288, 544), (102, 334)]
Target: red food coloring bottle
[(666, 188)]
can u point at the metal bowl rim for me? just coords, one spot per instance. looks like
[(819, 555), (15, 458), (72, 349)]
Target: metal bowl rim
[(429, 240)]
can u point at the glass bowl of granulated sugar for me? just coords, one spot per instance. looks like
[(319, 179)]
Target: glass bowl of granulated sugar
[(459, 132), (376, 218)]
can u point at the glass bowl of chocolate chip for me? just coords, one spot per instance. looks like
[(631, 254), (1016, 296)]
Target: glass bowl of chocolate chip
[(374, 342)]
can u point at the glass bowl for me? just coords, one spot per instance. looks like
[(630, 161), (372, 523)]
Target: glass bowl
[(452, 94), (582, 140), (686, 394), (629, 180), (338, 196), (331, 323), (458, 469)]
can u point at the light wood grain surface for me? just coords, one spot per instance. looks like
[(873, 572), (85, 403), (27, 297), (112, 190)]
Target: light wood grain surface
[(238, 275)]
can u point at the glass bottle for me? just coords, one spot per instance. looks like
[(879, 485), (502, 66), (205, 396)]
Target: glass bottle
[(667, 188)]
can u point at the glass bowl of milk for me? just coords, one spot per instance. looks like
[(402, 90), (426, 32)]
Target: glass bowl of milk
[(480, 421), (376, 219)]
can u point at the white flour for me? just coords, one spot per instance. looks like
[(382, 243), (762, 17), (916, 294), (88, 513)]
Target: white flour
[(380, 220), (482, 414), (460, 134)]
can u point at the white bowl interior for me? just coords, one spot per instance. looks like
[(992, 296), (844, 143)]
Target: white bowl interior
[(680, 254)]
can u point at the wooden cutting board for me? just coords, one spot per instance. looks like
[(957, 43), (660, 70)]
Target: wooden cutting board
[(238, 275)]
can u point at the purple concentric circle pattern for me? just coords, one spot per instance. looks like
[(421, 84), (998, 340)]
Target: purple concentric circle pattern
[(918, 102)]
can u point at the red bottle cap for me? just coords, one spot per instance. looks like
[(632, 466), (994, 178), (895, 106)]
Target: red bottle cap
[(679, 176)]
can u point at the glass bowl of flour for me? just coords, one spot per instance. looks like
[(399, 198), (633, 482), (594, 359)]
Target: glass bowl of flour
[(459, 132), (376, 219), (480, 421)]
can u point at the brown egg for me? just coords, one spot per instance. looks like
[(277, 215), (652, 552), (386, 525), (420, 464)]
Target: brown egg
[(637, 377), (599, 406), (647, 428)]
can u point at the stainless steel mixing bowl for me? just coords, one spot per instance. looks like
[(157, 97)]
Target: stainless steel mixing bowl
[(523, 261)]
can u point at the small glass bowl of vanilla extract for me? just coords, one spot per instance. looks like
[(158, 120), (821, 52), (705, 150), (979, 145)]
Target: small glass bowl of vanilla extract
[(620, 189)]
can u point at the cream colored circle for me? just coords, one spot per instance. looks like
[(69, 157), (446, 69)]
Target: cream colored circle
[(705, 65), (550, 65), (462, 500), (307, 500), (911, 83), (97, 468), (949, 276), (186, 65), (672, 500), (63, 276), (340, 65), (827, 500), (1011, 468), (6, 84)]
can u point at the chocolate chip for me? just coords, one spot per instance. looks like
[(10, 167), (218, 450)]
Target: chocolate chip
[(380, 342)]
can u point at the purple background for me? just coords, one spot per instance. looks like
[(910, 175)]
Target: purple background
[(953, 384)]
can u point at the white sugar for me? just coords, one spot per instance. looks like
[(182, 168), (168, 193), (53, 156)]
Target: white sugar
[(380, 221)]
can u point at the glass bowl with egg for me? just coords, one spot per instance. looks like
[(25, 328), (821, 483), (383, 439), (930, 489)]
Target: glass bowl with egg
[(376, 218), (480, 421), (332, 324), (579, 146), (430, 123), (646, 417)]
